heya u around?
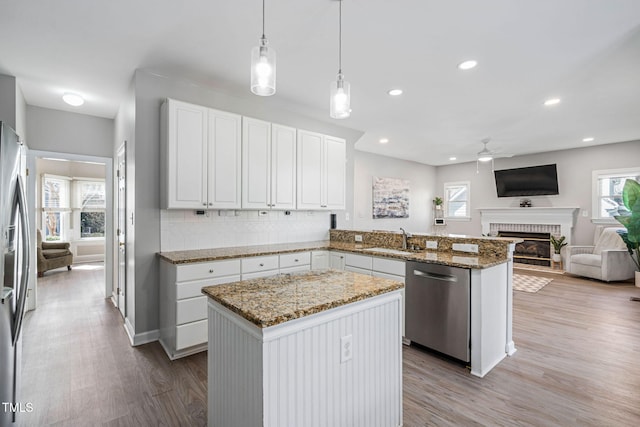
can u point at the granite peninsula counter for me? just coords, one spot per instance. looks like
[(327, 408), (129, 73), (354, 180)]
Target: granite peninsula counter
[(293, 349)]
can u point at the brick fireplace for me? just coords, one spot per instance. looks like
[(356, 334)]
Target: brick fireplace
[(533, 225)]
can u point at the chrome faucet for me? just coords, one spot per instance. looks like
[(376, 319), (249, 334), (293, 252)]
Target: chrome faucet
[(405, 235)]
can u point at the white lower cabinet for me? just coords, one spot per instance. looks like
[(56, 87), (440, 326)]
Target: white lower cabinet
[(337, 260), (259, 266), (183, 308)]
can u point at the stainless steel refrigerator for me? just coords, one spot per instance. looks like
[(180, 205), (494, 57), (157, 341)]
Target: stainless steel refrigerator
[(14, 269)]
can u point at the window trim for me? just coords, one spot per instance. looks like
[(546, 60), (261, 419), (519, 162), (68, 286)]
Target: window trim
[(596, 175), (446, 201)]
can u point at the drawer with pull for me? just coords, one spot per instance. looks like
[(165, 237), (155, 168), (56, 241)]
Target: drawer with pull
[(259, 263), (295, 259), (206, 270)]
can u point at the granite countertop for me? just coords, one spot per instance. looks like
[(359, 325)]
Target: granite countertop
[(270, 301), (203, 255), (451, 258)]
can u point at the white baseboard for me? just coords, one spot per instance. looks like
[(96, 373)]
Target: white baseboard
[(139, 339)]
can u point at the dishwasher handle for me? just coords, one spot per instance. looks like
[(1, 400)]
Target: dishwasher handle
[(436, 276)]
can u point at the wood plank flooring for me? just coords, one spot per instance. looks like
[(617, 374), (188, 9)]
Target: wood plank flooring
[(577, 364)]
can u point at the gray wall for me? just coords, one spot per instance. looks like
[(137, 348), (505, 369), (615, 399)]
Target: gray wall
[(65, 132), (422, 183), (150, 91), (8, 100), (574, 182)]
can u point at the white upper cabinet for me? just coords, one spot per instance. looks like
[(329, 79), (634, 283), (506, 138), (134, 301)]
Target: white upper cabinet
[(321, 171), (268, 165), (201, 157), (224, 157), (184, 153)]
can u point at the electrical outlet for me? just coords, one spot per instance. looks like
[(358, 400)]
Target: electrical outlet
[(346, 216), (346, 348), (358, 238), (431, 244), (585, 213)]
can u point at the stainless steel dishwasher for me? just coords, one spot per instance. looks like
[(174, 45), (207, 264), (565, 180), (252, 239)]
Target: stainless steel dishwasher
[(438, 308)]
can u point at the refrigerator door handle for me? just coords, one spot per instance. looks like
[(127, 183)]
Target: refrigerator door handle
[(21, 293)]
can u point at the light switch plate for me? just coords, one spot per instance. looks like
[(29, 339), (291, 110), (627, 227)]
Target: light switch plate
[(358, 238), (465, 247)]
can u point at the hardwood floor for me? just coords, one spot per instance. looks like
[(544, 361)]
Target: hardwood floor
[(577, 364)]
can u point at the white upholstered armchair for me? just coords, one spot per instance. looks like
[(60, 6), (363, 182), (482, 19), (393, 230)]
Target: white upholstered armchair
[(607, 259)]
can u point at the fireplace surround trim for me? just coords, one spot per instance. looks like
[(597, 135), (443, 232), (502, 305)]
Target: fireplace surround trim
[(565, 217)]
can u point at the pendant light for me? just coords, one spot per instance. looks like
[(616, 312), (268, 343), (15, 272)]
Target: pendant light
[(340, 97), (263, 66)]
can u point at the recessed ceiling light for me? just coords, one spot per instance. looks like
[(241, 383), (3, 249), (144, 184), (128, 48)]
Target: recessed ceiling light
[(384, 140), (73, 99), (552, 101), (589, 139), (467, 65), (452, 158), (395, 92)]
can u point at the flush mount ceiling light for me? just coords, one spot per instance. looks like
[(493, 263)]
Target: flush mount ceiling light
[(73, 99), (467, 65), (551, 101), (395, 92), (588, 139), (263, 66), (383, 140), (340, 90)]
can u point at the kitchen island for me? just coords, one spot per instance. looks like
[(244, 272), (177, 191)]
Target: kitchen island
[(313, 348)]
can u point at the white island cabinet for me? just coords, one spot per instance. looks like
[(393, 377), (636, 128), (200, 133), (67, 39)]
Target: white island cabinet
[(308, 349)]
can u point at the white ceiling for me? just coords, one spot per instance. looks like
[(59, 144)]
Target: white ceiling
[(587, 52)]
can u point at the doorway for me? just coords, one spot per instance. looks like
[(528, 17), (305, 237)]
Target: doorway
[(83, 214)]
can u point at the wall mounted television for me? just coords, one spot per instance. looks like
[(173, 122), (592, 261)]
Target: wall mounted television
[(530, 181)]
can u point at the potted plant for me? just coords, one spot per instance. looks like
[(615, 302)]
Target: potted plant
[(438, 202), (557, 243), (631, 221)]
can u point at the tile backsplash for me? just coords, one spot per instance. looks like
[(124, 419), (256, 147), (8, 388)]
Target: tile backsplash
[(184, 230)]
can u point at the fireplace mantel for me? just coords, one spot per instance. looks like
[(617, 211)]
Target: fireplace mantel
[(565, 217)]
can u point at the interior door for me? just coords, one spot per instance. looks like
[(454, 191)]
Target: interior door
[(121, 283)]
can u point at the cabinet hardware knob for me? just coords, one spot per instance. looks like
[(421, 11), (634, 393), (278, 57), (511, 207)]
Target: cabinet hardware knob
[(295, 260), (211, 270), (261, 265), (210, 204), (204, 204)]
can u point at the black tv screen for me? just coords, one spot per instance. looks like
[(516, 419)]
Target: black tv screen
[(530, 181)]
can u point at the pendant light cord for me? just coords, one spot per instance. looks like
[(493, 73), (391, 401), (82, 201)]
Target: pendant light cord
[(263, 19), (340, 41)]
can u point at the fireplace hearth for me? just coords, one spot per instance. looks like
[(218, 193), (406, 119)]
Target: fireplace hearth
[(534, 250)]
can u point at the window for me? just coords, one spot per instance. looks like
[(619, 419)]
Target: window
[(90, 207), (82, 219), (607, 193), (456, 200), (55, 207)]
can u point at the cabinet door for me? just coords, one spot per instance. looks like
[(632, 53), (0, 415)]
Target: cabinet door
[(336, 260), (310, 162), (185, 143), (283, 167), (256, 165), (224, 161), (335, 156)]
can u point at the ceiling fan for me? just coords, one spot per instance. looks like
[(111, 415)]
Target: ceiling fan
[(486, 155)]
